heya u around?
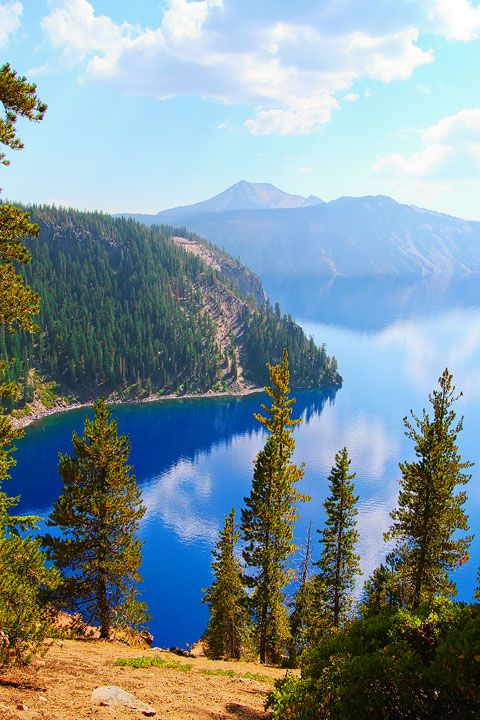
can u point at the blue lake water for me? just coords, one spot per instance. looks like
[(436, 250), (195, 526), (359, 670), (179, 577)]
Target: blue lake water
[(193, 458)]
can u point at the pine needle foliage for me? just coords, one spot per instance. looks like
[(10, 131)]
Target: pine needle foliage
[(430, 511), (229, 625), (269, 516), (339, 564), (384, 589), (96, 518), (302, 606), (19, 99), (18, 302), (24, 618)]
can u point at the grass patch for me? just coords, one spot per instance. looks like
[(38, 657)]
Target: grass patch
[(218, 671), (258, 676), (145, 661), (231, 673)]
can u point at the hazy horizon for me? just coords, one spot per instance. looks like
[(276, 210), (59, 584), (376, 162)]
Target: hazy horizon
[(152, 105)]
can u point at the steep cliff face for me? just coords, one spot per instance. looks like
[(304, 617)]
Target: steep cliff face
[(242, 280)]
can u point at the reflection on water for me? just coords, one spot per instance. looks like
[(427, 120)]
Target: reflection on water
[(194, 458), (372, 303)]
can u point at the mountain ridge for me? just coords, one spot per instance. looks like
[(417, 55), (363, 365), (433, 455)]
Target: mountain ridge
[(345, 237), (243, 195)]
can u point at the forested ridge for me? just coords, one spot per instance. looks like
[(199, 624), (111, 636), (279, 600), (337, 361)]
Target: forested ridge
[(125, 310)]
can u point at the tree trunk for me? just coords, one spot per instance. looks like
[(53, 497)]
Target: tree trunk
[(103, 609)]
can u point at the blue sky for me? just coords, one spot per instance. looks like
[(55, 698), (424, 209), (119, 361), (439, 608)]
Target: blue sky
[(154, 104)]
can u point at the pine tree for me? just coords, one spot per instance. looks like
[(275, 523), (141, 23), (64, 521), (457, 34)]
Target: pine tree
[(98, 514), (384, 589), (338, 564), (430, 512), (229, 624), (269, 516), (18, 302), (301, 616), (24, 619)]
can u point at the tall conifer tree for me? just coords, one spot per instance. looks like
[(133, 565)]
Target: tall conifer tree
[(98, 514), (269, 516), (430, 511), (339, 564), (24, 621), (229, 625), (301, 616)]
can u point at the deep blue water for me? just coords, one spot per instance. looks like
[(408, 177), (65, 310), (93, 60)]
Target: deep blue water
[(193, 458)]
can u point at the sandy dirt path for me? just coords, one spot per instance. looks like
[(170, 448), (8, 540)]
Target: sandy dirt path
[(61, 688)]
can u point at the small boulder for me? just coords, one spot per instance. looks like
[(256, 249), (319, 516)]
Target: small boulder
[(113, 696)]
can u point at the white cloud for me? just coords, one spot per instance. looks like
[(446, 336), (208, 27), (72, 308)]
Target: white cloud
[(289, 63), (464, 125), (351, 97), (10, 14), (185, 20), (296, 120), (224, 125), (391, 57), (450, 150), (424, 89), (455, 19), (417, 164), (73, 27)]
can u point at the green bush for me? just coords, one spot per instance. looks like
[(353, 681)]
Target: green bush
[(25, 620), (400, 665)]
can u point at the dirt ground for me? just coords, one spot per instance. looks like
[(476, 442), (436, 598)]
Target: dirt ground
[(61, 688)]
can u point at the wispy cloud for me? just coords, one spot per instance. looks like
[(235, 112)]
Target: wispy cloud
[(10, 14), (450, 150)]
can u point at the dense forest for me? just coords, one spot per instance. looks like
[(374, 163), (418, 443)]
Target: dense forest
[(127, 310)]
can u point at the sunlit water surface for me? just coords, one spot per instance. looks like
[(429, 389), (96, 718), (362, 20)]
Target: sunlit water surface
[(193, 459)]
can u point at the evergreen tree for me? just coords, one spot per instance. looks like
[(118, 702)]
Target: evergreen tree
[(98, 514), (24, 619), (109, 285), (338, 564), (18, 302), (384, 589), (301, 616), (430, 512), (269, 516), (229, 625)]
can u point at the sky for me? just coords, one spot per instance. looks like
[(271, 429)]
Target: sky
[(153, 104)]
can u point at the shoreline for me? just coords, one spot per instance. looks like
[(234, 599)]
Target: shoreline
[(41, 414)]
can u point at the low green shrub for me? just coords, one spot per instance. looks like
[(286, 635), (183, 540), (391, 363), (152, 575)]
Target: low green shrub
[(400, 665)]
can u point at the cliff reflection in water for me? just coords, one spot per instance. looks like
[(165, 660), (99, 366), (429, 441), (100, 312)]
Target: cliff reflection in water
[(370, 304)]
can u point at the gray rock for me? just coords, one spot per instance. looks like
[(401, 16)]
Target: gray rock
[(114, 696)]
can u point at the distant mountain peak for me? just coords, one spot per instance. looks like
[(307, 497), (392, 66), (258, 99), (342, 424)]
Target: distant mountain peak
[(245, 195)]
